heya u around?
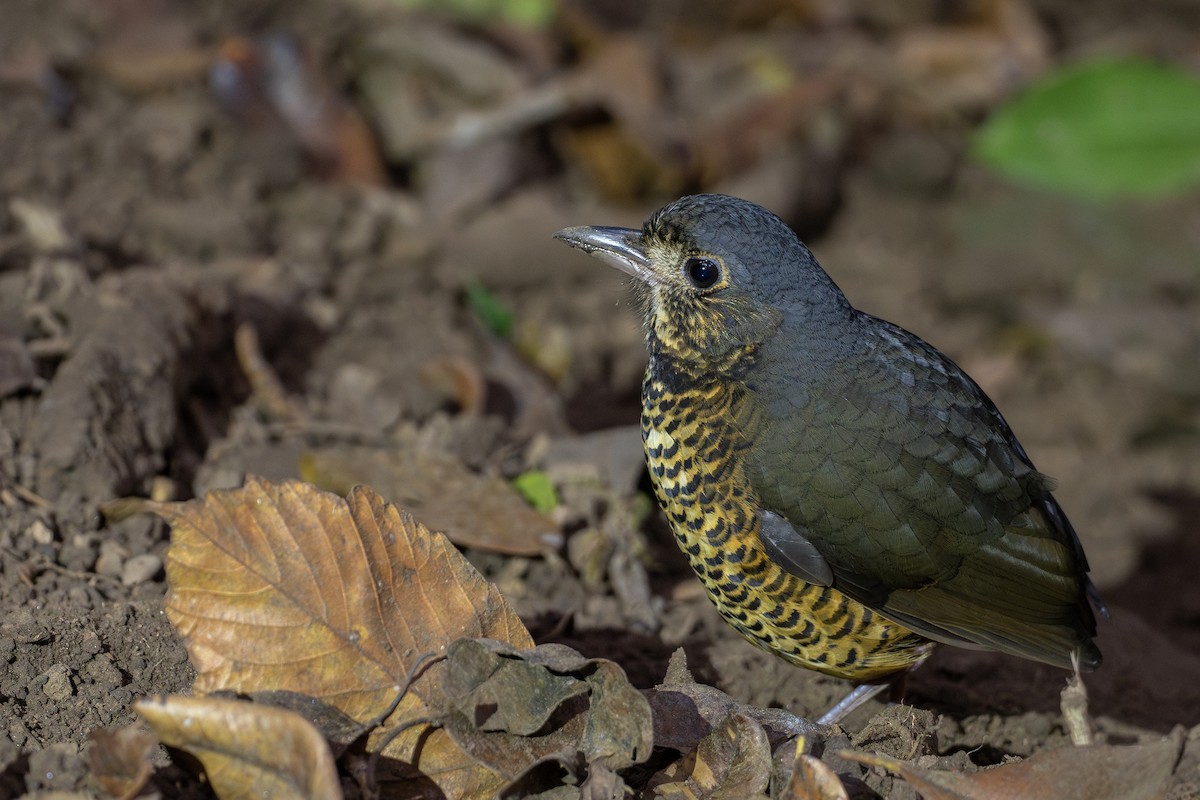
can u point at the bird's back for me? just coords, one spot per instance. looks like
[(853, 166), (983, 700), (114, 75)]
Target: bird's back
[(900, 471)]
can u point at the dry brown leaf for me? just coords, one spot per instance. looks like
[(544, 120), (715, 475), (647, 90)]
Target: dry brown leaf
[(733, 762), (500, 691), (248, 750), (1096, 772), (811, 779), (119, 759), (282, 587), (473, 510), (538, 715), (686, 711), (338, 729)]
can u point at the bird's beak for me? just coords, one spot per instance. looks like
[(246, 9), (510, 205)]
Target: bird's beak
[(619, 247)]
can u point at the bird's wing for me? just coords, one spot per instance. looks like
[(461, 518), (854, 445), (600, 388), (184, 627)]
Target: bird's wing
[(900, 472), (791, 548)]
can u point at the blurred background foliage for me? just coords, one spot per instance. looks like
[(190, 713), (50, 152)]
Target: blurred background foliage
[(1100, 129)]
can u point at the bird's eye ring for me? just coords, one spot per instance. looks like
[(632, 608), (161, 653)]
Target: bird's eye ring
[(702, 272)]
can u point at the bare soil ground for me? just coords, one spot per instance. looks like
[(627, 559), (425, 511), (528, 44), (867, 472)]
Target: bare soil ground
[(147, 210)]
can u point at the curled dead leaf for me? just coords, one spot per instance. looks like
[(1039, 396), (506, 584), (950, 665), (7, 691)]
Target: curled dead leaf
[(473, 510), (119, 759), (248, 750), (732, 762), (812, 779), (515, 710), (685, 711)]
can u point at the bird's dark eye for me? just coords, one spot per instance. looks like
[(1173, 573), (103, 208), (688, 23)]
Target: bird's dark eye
[(702, 272)]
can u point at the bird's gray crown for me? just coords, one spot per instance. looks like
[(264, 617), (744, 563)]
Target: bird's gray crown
[(764, 255)]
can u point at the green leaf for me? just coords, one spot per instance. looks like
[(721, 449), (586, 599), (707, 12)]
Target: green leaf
[(525, 13), (537, 489), (1101, 129), (490, 309)]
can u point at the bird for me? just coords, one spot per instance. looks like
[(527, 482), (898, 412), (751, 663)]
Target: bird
[(845, 492)]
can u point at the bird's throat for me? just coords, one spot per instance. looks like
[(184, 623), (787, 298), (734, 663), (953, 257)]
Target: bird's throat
[(706, 337)]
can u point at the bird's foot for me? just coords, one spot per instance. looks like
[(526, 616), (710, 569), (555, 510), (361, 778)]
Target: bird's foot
[(859, 695)]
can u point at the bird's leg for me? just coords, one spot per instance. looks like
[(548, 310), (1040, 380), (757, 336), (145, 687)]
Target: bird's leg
[(859, 695), (897, 683)]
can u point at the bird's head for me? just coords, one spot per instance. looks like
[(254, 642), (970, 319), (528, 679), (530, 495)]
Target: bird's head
[(718, 275)]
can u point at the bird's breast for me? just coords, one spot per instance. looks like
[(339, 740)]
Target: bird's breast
[(696, 436)]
